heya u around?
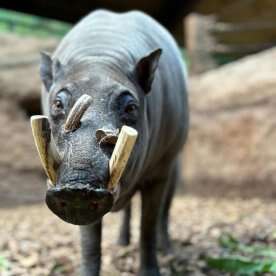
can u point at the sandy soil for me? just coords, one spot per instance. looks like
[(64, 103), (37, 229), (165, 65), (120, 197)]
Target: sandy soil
[(35, 242)]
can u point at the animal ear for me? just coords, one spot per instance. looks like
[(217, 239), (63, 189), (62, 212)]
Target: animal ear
[(46, 70), (146, 68)]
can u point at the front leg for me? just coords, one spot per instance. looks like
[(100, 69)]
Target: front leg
[(125, 233), (91, 236), (151, 202)]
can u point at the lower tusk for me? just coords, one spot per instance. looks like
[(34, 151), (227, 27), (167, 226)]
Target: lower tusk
[(49, 184), (42, 136), (121, 154)]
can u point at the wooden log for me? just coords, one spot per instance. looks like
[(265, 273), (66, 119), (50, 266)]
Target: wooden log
[(121, 154), (212, 42), (42, 137), (245, 11), (198, 42), (250, 32)]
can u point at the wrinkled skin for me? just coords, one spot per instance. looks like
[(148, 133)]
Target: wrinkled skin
[(116, 59)]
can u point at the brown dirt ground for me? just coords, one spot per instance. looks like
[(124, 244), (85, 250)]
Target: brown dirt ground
[(35, 242)]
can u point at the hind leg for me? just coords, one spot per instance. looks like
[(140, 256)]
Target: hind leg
[(164, 242), (125, 233)]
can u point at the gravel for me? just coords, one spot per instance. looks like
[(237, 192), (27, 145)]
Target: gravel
[(35, 242)]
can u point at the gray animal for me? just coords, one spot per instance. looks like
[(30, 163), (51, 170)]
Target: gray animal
[(132, 69)]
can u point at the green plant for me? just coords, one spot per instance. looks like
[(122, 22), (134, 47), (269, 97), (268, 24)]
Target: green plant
[(26, 24), (241, 259), (4, 264)]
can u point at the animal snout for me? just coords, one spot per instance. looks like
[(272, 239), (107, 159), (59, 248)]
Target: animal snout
[(75, 177), (79, 204)]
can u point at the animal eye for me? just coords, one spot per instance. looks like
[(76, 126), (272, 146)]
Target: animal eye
[(128, 103), (60, 103), (128, 108)]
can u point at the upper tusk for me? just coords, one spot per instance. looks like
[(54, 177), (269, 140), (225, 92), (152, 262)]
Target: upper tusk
[(42, 136), (77, 111), (107, 136), (121, 154)]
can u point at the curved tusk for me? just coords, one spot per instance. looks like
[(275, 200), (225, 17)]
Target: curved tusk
[(107, 136), (42, 136), (77, 111), (121, 154)]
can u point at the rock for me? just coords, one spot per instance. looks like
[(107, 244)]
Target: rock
[(233, 128)]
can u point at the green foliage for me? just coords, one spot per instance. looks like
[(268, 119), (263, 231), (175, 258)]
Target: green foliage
[(240, 265), (25, 24), (229, 242), (4, 264), (241, 259)]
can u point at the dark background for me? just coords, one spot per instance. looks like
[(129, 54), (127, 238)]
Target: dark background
[(169, 12)]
